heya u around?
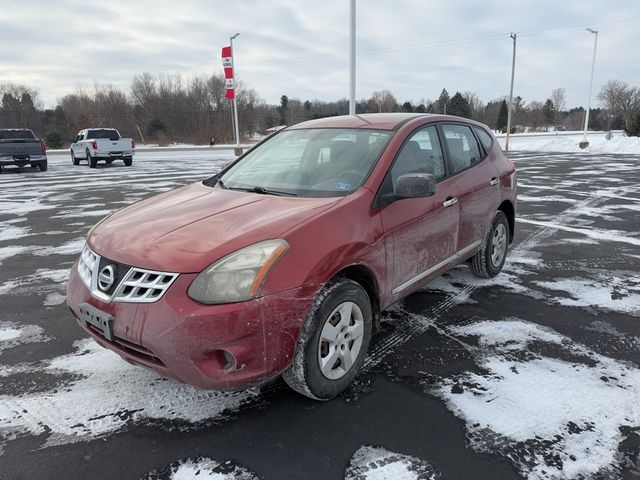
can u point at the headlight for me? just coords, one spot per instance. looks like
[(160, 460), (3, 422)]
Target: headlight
[(238, 276)]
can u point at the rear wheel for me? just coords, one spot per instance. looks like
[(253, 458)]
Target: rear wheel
[(74, 160), (333, 341), (43, 166), (128, 161), (489, 261), (92, 161)]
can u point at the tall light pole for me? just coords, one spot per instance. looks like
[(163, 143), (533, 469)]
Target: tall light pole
[(585, 143), (352, 59), (513, 72), (236, 130)]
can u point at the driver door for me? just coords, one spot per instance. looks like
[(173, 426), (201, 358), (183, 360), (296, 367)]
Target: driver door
[(420, 233)]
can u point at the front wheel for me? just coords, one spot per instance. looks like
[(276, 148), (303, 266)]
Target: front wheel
[(74, 160), (488, 262), (333, 341)]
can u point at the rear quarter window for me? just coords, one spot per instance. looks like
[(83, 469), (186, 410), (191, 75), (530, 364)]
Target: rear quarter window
[(485, 138), (104, 133)]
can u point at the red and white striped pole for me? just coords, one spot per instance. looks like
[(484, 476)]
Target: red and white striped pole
[(230, 83)]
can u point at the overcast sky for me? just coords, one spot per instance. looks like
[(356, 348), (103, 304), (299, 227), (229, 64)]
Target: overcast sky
[(300, 47)]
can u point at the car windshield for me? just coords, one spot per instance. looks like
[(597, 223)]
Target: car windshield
[(106, 133), (307, 162)]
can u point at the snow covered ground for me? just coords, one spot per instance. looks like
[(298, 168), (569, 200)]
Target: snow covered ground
[(535, 373), (570, 142)]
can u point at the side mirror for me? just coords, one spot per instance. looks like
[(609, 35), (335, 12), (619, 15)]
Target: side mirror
[(415, 185)]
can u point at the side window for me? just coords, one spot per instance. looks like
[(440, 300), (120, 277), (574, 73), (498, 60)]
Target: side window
[(464, 151), (420, 154), (485, 138)]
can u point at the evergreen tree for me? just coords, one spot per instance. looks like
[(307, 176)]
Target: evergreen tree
[(443, 100), (459, 106), (549, 112), (501, 123), (406, 107), (421, 108), (282, 109), (632, 128)]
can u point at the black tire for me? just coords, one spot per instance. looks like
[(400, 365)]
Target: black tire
[(128, 161), (483, 264), (74, 160), (43, 166), (305, 375), (92, 161)]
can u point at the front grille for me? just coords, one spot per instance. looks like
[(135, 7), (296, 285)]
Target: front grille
[(144, 285), (120, 270), (130, 284)]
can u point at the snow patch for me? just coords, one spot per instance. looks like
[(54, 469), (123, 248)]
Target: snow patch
[(73, 247), (552, 418), (201, 468), (12, 233), (109, 395), (12, 335), (376, 463), (606, 292)]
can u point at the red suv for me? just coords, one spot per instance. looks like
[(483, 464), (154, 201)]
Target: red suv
[(281, 263)]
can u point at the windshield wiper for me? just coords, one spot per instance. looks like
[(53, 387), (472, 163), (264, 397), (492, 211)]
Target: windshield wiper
[(262, 191)]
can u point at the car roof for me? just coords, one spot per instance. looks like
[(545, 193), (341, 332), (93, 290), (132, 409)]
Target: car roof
[(375, 121)]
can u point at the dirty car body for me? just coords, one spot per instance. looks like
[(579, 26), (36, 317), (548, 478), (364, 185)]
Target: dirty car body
[(282, 262)]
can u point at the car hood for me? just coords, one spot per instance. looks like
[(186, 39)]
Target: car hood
[(187, 229)]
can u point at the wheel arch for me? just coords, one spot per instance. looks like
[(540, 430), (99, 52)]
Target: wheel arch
[(508, 209), (366, 278)]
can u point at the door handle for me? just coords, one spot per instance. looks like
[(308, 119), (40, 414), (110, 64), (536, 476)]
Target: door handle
[(450, 201), (494, 181)]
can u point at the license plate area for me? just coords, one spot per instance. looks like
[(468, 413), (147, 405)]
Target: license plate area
[(89, 314)]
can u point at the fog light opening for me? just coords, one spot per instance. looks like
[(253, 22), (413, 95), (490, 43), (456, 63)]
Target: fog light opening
[(229, 361)]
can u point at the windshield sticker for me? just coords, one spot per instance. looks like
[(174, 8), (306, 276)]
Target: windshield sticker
[(344, 186)]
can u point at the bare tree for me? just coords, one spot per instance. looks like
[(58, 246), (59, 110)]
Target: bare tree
[(559, 102), (619, 98), (385, 101), (477, 105), (536, 115)]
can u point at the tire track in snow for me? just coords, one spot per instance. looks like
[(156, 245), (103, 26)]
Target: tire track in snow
[(410, 324)]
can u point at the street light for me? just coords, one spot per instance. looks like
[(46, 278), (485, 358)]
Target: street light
[(235, 80), (352, 58), (584, 143)]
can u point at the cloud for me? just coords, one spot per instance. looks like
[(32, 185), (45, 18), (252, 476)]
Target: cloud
[(300, 48)]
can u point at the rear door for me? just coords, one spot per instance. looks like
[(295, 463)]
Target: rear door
[(420, 233), (477, 182)]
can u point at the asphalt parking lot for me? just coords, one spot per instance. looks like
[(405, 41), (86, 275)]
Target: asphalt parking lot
[(532, 374)]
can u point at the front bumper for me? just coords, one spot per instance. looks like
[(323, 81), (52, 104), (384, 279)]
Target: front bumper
[(221, 347)]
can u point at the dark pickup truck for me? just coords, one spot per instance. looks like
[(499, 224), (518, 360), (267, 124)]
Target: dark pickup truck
[(20, 147)]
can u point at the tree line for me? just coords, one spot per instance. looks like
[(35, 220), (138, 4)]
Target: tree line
[(165, 109)]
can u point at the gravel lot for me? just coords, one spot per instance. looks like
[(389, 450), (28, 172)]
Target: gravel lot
[(533, 374)]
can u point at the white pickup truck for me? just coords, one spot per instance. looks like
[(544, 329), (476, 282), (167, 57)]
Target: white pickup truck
[(95, 144)]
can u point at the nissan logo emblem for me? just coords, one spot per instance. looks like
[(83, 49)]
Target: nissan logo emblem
[(106, 277)]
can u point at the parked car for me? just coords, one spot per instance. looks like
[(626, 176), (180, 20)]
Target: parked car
[(283, 262), (20, 147), (101, 144)]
